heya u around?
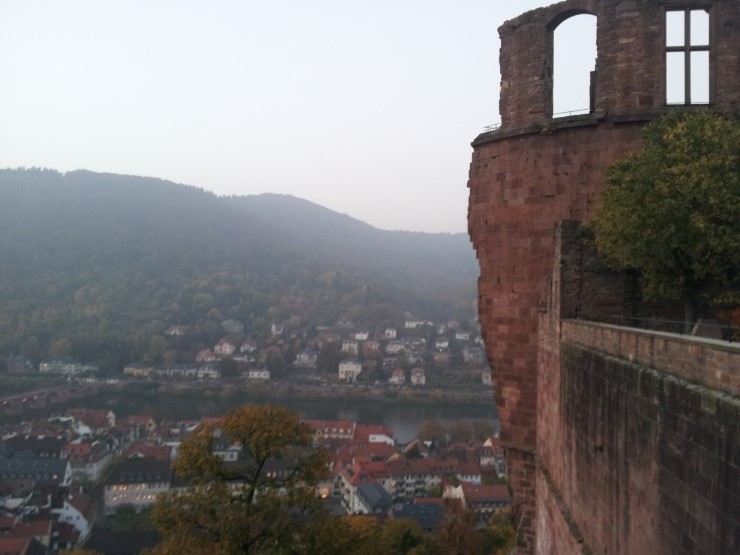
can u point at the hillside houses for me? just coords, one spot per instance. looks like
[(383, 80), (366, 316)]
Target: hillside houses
[(398, 377), (89, 457), (351, 347), (306, 359), (483, 500), (349, 370), (65, 365), (44, 463), (368, 477), (418, 376), (258, 374), (431, 355), (224, 348), (370, 473), (136, 482)]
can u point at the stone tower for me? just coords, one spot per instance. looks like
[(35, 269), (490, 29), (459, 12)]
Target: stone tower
[(536, 170)]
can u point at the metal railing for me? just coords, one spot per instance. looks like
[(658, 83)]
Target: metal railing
[(579, 112), (708, 329)]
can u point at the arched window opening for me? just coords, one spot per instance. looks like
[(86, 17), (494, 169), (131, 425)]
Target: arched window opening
[(574, 60), (687, 56)]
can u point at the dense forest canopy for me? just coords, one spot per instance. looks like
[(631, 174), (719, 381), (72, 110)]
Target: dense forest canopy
[(97, 266)]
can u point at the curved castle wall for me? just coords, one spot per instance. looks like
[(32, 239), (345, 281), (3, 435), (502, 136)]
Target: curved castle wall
[(535, 171)]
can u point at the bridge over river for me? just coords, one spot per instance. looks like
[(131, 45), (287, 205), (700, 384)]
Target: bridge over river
[(50, 396)]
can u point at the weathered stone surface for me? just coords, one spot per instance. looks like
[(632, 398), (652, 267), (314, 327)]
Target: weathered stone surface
[(637, 430), (535, 171)]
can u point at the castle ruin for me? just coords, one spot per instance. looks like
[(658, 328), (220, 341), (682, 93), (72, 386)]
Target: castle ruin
[(583, 482)]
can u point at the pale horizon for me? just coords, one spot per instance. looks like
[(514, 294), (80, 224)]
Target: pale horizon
[(367, 109)]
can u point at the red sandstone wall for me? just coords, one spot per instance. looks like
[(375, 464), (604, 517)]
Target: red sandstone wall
[(713, 364), (534, 172), (648, 459), (636, 429), (519, 187), (630, 64)]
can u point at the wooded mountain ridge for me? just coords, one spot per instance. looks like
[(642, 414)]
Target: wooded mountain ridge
[(94, 265)]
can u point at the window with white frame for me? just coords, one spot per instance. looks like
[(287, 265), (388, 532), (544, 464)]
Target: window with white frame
[(687, 56)]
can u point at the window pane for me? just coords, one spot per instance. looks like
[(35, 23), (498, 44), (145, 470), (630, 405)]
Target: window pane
[(675, 80), (700, 77), (674, 28), (699, 28)]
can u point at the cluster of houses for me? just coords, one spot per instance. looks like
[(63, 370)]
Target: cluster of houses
[(59, 364), (403, 354), (398, 355), (46, 464), (373, 475)]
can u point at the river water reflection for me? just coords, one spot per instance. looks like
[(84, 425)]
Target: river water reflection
[(402, 417)]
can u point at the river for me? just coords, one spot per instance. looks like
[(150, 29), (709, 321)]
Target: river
[(402, 416)]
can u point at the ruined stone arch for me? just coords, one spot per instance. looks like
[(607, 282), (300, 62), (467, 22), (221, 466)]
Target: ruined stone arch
[(532, 172), (550, 75)]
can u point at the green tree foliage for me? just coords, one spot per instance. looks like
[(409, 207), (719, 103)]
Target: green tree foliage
[(109, 262), (127, 519), (672, 210), (432, 430), (459, 430), (467, 430), (454, 536), (365, 535), (251, 505), (500, 536)]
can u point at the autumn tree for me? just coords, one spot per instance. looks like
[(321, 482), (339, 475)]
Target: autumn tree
[(253, 504), (366, 535), (672, 210), (432, 430), (455, 534)]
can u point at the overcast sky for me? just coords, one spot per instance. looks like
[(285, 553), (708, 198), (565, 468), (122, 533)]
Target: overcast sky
[(367, 107)]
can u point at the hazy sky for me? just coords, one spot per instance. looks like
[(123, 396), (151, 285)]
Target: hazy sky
[(367, 107)]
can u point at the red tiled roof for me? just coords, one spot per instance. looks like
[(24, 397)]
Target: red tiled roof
[(140, 419), (32, 528), (211, 420), (374, 450), (363, 431), (470, 469), (78, 450), (14, 546), (331, 426), (428, 466), (156, 452), (66, 533), (6, 522), (483, 492), (365, 472), (90, 417), (83, 503)]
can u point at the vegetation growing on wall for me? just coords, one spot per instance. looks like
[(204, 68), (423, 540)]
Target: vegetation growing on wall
[(672, 210)]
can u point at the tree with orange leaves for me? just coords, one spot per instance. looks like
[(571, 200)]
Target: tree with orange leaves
[(257, 503)]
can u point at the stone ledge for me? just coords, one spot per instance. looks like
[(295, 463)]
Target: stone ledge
[(549, 126), (708, 362)]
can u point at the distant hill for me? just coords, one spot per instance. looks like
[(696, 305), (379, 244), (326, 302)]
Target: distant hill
[(97, 265)]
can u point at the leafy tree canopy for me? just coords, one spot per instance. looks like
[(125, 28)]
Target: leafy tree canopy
[(253, 504), (265, 501), (672, 210)]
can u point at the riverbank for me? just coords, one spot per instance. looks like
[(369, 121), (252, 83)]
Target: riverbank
[(402, 410), (282, 390)]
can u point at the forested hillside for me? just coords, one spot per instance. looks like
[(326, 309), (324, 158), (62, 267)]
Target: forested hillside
[(97, 266)]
